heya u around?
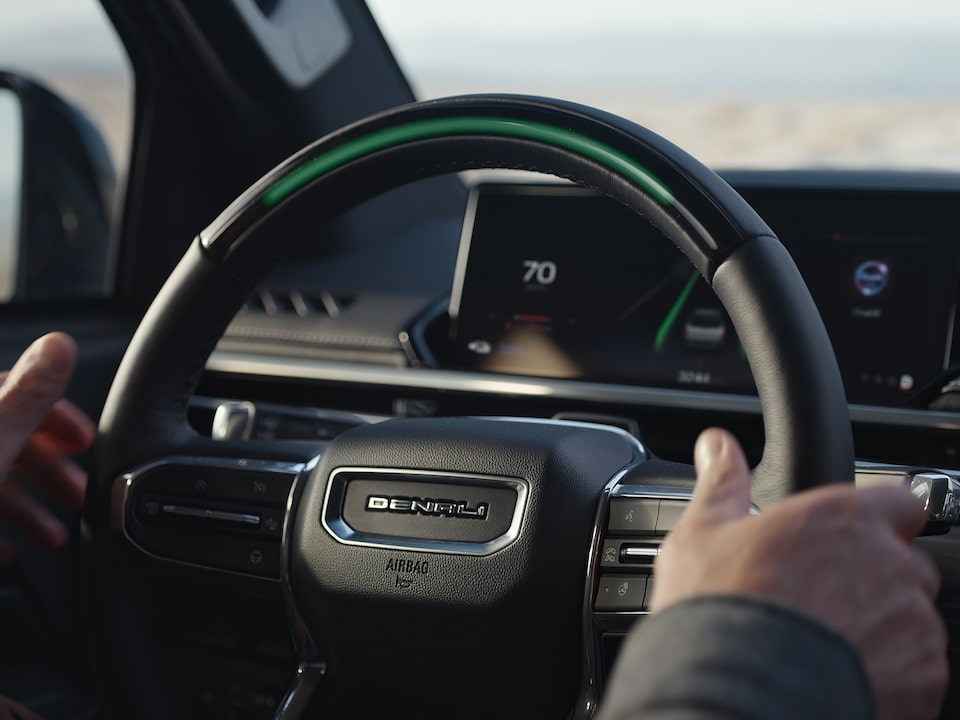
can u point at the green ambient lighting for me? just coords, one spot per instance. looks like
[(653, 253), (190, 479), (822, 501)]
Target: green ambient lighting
[(671, 317), (440, 127)]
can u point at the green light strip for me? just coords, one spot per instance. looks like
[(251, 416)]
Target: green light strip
[(671, 317), (424, 129)]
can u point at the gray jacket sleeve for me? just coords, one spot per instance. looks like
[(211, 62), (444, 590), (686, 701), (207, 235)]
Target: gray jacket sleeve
[(726, 657)]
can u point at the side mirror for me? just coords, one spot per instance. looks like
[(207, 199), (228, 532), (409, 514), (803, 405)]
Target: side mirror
[(11, 180), (57, 186)]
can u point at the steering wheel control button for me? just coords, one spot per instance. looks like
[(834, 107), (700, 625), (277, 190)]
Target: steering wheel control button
[(242, 519), (640, 555), (220, 514), (253, 558), (634, 516), (239, 482), (670, 513), (621, 592), (610, 554), (271, 523), (265, 488)]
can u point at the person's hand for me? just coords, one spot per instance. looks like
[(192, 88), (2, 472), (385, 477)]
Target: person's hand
[(836, 554), (10, 710), (39, 429)]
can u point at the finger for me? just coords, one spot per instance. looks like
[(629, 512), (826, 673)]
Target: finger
[(68, 426), (7, 554), (42, 463), (15, 711), (35, 383), (30, 518), (928, 574), (722, 492), (903, 512)]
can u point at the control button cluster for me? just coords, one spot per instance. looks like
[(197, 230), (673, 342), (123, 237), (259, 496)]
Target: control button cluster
[(623, 592), (635, 529), (228, 518), (644, 516)]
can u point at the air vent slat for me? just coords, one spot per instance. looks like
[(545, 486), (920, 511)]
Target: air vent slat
[(331, 304), (301, 306), (294, 302)]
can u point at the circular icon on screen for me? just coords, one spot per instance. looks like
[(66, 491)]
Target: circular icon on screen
[(871, 277)]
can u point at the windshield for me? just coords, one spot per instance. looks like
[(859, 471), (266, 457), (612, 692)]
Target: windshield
[(738, 84)]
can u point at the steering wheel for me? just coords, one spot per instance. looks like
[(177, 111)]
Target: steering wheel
[(432, 567)]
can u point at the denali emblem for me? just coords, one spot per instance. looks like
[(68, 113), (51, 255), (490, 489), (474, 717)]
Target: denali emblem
[(419, 506)]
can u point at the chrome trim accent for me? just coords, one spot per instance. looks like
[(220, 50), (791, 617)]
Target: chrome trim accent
[(431, 379), (295, 701), (233, 420), (463, 253), (941, 494), (587, 703), (633, 440), (122, 484), (213, 403), (311, 668), (654, 492), (333, 523), (641, 552), (409, 349), (118, 503), (939, 489), (208, 514)]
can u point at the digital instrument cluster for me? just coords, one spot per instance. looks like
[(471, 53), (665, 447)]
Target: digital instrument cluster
[(557, 281)]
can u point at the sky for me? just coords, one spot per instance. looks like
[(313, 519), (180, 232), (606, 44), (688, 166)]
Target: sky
[(523, 17), (734, 48), (419, 26), (48, 31), (657, 62)]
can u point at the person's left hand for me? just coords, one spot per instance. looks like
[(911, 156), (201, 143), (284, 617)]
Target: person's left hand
[(39, 429), (10, 710)]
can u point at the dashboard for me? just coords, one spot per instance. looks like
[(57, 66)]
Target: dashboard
[(556, 281), (545, 299)]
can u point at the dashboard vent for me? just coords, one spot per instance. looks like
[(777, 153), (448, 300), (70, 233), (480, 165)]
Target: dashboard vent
[(298, 303)]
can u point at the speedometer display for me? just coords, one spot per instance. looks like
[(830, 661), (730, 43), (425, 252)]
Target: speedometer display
[(560, 282), (557, 281)]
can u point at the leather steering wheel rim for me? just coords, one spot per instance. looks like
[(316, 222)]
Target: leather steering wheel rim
[(808, 440)]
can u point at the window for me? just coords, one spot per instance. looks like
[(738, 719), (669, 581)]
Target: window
[(738, 84), (60, 245)]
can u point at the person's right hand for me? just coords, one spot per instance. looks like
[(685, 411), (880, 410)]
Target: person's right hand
[(836, 554)]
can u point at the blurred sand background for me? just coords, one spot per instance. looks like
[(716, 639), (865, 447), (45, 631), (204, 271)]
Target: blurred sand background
[(733, 99), (724, 133)]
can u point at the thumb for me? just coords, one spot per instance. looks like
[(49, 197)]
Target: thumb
[(722, 492)]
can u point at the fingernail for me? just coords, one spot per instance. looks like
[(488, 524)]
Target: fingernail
[(53, 354), (708, 448)]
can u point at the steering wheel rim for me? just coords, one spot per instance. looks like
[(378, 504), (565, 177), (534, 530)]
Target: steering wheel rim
[(808, 439)]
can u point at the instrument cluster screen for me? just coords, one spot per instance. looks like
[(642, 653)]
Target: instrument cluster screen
[(557, 281)]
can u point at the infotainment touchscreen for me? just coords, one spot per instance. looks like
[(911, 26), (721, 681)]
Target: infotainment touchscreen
[(888, 303), (557, 281)]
